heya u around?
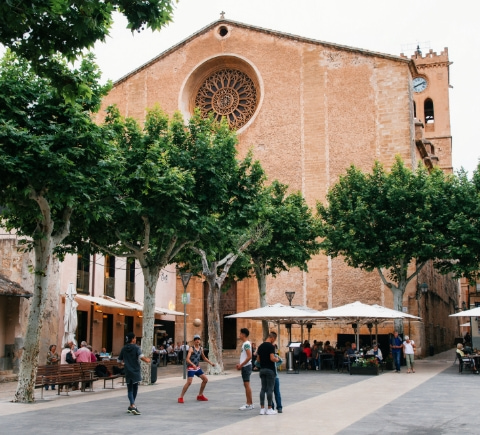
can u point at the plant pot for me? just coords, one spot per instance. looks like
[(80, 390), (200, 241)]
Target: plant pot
[(364, 370)]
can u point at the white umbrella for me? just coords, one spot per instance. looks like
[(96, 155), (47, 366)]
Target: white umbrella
[(474, 312), (280, 313), (358, 312), (70, 318)]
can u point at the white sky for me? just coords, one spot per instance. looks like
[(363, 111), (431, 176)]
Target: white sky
[(386, 26)]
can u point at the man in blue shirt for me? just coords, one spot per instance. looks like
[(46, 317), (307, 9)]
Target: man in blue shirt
[(396, 345)]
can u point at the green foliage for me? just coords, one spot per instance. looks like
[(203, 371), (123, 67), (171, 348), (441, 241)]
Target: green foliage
[(39, 30), (464, 228), (385, 220), (293, 232), (48, 148), (171, 184)]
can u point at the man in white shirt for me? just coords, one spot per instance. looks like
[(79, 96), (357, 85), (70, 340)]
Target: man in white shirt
[(245, 365)]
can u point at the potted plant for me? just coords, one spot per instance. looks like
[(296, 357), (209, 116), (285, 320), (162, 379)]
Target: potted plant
[(389, 362), (364, 366)]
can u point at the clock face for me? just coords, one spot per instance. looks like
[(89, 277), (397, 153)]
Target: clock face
[(419, 84)]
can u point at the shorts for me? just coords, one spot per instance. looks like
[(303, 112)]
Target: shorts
[(194, 371), (246, 372)]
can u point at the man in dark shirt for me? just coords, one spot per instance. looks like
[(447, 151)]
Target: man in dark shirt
[(131, 355), (267, 359)]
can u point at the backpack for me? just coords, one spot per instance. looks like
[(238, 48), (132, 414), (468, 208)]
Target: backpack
[(101, 371), (69, 358)]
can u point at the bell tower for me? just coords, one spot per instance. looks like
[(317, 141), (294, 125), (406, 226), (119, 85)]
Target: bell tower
[(431, 103)]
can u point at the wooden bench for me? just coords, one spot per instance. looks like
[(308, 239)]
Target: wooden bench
[(61, 375)]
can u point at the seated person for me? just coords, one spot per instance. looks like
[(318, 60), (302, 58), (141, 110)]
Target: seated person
[(466, 356), (308, 353), (377, 352), (328, 348), (162, 355), (104, 353), (352, 350)]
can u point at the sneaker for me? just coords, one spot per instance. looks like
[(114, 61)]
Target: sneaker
[(279, 410), (270, 412), (134, 410), (129, 410), (202, 398), (180, 400), (246, 407), (262, 411)]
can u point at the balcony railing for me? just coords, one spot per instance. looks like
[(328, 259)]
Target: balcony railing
[(109, 287), (130, 291), (83, 281)]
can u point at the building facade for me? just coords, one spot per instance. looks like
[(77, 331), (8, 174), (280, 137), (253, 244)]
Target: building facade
[(308, 109)]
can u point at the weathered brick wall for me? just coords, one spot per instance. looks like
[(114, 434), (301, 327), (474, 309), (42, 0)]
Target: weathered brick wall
[(323, 108)]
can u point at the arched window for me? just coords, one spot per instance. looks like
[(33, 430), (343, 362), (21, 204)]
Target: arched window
[(428, 110), (414, 109)]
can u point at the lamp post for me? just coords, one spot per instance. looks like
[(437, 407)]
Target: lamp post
[(290, 296), (185, 280)]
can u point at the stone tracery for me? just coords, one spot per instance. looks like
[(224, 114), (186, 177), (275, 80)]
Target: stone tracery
[(228, 93)]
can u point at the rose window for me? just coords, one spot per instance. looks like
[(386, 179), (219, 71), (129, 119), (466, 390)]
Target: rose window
[(228, 93)]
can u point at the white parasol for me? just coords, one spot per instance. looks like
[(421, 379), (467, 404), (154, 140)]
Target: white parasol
[(70, 318), (357, 312), (474, 312)]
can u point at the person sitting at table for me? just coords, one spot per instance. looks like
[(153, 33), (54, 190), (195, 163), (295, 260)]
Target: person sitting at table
[(162, 355), (466, 357), (351, 350), (328, 348), (307, 350), (104, 353), (377, 352)]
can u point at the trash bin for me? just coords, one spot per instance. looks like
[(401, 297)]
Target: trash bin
[(153, 370), (431, 350)]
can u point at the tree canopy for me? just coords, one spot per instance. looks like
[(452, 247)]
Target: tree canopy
[(388, 221), (464, 228), (40, 30), (172, 184), (52, 159)]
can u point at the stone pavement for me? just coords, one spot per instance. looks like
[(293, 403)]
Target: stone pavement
[(435, 399)]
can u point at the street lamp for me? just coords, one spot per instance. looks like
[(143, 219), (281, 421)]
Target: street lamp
[(290, 296), (185, 280), (421, 290)]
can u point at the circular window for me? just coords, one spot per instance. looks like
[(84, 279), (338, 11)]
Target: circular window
[(228, 93)]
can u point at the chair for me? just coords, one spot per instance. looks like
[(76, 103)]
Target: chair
[(344, 364), (457, 357), (328, 360)]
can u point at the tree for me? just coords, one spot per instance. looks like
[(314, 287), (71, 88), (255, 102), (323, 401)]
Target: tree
[(170, 181), (464, 228), (291, 242), (388, 221), (38, 30), (52, 156), (230, 230)]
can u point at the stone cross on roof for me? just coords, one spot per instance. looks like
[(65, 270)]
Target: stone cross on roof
[(222, 15)]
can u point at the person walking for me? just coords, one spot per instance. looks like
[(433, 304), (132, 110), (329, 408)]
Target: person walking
[(409, 353), (267, 359), (276, 389), (396, 346), (130, 355), (195, 354), (245, 365)]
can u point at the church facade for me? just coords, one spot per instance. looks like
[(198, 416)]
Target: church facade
[(308, 109)]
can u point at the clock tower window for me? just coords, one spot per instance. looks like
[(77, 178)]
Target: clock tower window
[(428, 110)]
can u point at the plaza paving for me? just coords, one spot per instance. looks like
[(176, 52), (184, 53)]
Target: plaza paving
[(435, 399)]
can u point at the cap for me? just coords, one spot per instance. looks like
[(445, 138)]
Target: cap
[(196, 336)]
